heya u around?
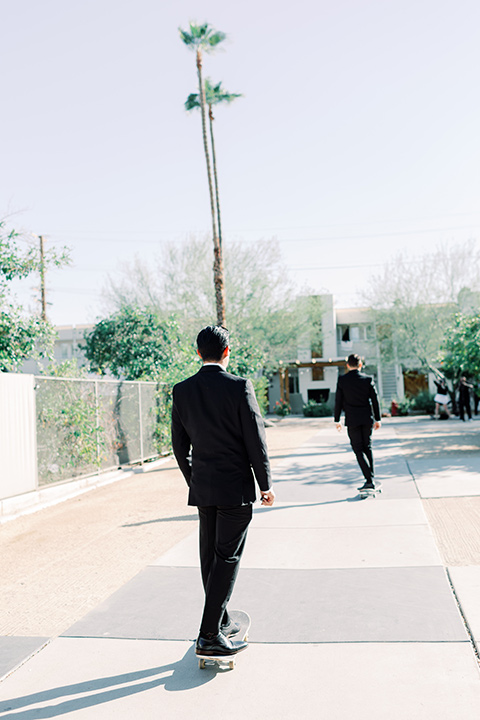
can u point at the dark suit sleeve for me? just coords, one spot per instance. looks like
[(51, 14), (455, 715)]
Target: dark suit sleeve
[(374, 399), (338, 402), (181, 443), (253, 429)]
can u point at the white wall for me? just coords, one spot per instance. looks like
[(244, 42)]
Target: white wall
[(304, 381), (329, 328), (18, 440)]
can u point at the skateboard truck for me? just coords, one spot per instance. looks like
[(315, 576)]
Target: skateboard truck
[(370, 492)]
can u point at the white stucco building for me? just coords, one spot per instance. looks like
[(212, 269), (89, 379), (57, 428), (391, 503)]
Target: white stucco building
[(68, 346), (313, 375)]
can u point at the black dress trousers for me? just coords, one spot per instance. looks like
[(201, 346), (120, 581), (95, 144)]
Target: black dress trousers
[(361, 442), (223, 531)]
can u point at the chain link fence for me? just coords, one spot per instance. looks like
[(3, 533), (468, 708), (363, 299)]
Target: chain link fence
[(87, 426)]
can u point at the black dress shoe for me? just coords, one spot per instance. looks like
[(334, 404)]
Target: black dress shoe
[(367, 486), (219, 645), (230, 629)]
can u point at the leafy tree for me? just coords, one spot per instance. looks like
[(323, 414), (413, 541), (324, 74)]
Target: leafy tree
[(414, 299), (214, 95), (200, 39), (135, 344), (22, 335), (266, 316), (461, 347)]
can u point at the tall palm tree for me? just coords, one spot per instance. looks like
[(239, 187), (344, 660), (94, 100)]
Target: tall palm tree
[(203, 38), (214, 95)]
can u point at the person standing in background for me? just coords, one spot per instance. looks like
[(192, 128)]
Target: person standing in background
[(464, 398), (441, 398)]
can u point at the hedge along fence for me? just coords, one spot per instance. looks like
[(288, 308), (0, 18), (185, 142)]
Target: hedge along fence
[(86, 426)]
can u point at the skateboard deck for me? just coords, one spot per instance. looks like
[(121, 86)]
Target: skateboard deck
[(244, 621), (370, 493)]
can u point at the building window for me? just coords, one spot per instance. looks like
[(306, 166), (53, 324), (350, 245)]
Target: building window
[(345, 333), (318, 395), (354, 333), (65, 351), (317, 373)]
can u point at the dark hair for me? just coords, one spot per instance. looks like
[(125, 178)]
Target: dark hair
[(212, 341), (354, 360)]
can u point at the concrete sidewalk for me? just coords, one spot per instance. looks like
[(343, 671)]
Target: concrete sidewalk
[(353, 614)]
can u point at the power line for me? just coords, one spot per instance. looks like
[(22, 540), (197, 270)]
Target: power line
[(327, 238)]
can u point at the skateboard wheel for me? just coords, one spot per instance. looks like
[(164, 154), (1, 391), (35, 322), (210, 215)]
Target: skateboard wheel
[(201, 664), (231, 664)]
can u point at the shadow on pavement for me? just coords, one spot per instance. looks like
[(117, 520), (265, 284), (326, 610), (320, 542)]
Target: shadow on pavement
[(177, 518), (175, 677)]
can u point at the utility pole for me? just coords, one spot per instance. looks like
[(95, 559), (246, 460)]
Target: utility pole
[(43, 299)]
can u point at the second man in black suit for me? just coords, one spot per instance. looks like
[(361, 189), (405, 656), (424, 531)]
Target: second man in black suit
[(357, 397), (218, 438)]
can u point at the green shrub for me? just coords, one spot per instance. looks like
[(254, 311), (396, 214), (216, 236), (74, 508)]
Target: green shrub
[(424, 401), (282, 408), (404, 406), (314, 409)]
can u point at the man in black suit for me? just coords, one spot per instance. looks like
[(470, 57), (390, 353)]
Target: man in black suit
[(216, 416), (357, 396)]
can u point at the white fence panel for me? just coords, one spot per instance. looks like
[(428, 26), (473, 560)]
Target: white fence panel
[(18, 443)]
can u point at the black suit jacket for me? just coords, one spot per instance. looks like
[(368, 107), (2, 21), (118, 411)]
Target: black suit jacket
[(357, 396), (216, 416)]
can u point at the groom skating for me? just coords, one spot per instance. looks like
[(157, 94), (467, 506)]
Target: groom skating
[(218, 439), (357, 397)]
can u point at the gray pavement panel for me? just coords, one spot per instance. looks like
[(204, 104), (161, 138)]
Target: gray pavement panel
[(288, 606), (350, 605), (158, 603), (15, 649)]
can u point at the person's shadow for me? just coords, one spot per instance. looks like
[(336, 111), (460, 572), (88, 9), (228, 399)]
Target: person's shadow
[(175, 677)]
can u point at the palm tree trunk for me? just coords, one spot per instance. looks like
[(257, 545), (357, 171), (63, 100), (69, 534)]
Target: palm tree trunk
[(215, 177), (218, 277)]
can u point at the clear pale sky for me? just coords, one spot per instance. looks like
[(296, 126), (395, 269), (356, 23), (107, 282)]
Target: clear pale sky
[(358, 135)]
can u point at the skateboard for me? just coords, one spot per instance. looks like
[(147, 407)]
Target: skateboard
[(243, 620), (370, 493)]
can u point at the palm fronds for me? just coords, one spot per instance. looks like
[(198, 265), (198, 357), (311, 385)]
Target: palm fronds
[(202, 37)]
